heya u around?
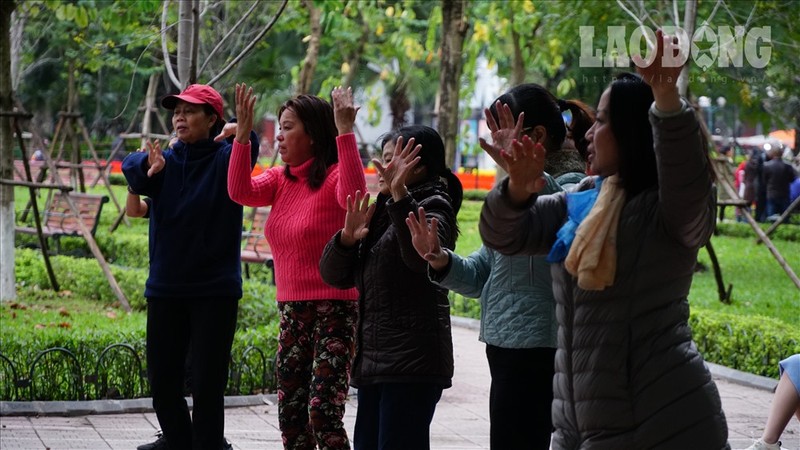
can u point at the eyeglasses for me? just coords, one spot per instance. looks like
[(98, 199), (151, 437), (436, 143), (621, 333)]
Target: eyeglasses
[(566, 116)]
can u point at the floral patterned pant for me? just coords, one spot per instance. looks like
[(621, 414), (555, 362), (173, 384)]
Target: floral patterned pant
[(315, 350)]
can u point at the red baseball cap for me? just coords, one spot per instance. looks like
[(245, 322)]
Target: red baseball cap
[(198, 94)]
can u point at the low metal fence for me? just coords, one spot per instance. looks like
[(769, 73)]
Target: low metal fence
[(117, 372)]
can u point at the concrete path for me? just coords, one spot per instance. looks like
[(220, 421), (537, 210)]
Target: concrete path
[(461, 421)]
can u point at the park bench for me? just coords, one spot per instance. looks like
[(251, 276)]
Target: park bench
[(60, 220), (256, 249)]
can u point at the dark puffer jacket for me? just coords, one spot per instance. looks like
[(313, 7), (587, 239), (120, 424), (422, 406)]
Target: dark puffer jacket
[(628, 375), (404, 320)]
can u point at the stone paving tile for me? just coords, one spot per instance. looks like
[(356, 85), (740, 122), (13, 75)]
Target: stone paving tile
[(26, 444), (129, 421), (18, 433), (83, 444)]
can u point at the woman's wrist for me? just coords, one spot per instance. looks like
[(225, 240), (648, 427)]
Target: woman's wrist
[(347, 240)]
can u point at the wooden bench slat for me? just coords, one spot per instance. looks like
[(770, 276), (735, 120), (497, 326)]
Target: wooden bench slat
[(256, 248), (59, 220)]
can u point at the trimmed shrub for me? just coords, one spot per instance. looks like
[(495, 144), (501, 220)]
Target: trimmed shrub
[(751, 344)]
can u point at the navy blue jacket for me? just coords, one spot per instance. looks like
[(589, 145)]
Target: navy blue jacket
[(195, 228)]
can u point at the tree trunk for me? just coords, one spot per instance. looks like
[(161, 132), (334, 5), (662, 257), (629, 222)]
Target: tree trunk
[(185, 34), (399, 104), (195, 41), (8, 289), (518, 64), (17, 28), (517, 77), (149, 107), (355, 58), (312, 53), (454, 28), (689, 21)]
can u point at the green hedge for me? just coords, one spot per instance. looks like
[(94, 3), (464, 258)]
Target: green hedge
[(751, 344), (81, 277), (784, 232)]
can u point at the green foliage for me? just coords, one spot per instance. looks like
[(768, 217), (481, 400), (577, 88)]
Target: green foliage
[(750, 343), (760, 285), (469, 238), (464, 306), (80, 278), (785, 232), (478, 195)]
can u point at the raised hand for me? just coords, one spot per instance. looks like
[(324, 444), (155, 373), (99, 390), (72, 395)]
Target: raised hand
[(245, 112), (344, 112), (356, 221), (662, 73), (503, 133), (425, 239), (229, 129), (155, 158), (525, 170), (396, 172)]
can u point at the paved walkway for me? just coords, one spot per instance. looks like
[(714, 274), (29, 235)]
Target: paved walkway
[(461, 421)]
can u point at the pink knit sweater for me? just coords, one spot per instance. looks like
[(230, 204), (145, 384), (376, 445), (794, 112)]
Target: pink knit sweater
[(301, 221)]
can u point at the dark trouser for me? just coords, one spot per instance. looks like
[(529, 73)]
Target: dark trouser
[(315, 350), (520, 398), (203, 329), (776, 206), (395, 416)]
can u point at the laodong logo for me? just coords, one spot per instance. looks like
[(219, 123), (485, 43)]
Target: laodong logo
[(725, 46)]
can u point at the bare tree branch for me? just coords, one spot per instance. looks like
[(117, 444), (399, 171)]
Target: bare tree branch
[(676, 18), (713, 11), (251, 44), (638, 21), (164, 50), (227, 35)]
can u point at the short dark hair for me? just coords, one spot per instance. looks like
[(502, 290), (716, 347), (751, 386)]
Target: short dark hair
[(217, 128), (316, 115)]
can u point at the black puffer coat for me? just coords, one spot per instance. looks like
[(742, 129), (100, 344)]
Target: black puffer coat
[(404, 319), (628, 375)]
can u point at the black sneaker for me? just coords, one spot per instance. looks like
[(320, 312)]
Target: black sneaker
[(159, 444), (226, 445)]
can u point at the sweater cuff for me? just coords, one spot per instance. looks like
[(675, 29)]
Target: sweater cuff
[(666, 115)]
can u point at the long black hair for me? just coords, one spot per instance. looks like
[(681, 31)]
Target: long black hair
[(317, 117), (628, 105), (431, 156)]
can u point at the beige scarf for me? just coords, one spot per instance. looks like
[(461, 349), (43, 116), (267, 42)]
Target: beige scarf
[(592, 257)]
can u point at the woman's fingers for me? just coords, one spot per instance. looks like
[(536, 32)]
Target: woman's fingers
[(490, 122)]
